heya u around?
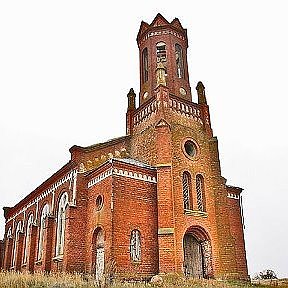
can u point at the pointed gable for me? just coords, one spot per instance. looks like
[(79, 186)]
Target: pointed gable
[(143, 27), (159, 20), (177, 24)]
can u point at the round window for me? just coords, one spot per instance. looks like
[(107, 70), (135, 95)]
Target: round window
[(99, 202), (190, 148)]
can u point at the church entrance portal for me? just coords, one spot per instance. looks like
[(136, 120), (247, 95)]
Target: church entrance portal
[(197, 256)]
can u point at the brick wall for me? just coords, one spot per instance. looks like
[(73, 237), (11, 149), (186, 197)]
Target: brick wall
[(131, 196), (1, 253)]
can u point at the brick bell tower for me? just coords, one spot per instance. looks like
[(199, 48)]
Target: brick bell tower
[(167, 43), (200, 231)]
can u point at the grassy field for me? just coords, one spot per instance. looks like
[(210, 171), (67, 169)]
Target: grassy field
[(18, 280)]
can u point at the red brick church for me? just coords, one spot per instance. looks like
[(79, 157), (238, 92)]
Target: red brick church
[(153, 201)]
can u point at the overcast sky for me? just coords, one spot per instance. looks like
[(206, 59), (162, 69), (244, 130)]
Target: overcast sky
[(66, 67)]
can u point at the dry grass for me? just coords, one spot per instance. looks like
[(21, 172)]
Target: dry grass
[(61, 280)]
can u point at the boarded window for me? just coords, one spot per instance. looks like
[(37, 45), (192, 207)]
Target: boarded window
[(200, 193), (179, 61), (186, 182), (135, 246), (145, 64)]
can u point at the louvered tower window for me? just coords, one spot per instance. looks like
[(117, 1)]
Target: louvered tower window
[(161, 54), (186, 182), (200, 193)]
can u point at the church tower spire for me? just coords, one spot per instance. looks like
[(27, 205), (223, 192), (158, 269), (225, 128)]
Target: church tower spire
[(166, 43)]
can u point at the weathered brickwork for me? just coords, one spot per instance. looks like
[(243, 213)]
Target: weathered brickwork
[(1, 253), (153, 201)]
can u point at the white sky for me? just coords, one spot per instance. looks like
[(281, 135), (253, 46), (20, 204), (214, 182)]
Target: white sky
[(66, 67)]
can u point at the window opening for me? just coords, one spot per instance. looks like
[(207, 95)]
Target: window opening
[(44, 214), (99, 202), (145, 64), (190, 148), (186, 190), (135, 246), (161, 54), (179, 61), (18, 230), (61, 224), (200, 192), (28, 236)]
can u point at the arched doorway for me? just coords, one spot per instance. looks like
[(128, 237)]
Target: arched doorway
[(98, 259), (197, 253)]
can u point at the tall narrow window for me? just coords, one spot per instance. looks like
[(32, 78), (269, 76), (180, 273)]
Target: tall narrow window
[(186, 182), (44, 214), (145, 64), (135, 245), (18, 230), (28, 236), (9, 233), (161, 52), (61, 224), (200, 193), (179, 61)]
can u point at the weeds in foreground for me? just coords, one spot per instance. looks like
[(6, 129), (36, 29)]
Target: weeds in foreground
[(65, 280)]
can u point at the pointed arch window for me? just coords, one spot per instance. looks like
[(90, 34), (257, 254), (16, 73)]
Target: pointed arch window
[(179, 61), (186, 182), (17, 231), (44, 215), (28, 236), (200, 193), (145, 65), (61, 224), (135, 245), (9, 233)]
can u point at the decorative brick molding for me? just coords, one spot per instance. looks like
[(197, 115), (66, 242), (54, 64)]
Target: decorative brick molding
[(71, 176), (233, 196), (122, 173)]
